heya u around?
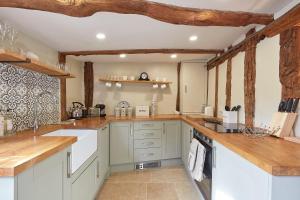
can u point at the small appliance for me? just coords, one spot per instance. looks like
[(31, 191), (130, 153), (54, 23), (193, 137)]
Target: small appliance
[(102, 109)]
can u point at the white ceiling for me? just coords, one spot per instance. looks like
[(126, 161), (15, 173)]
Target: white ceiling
[(65, 33)]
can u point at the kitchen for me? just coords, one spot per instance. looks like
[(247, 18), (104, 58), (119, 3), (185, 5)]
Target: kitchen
[(126, 100)]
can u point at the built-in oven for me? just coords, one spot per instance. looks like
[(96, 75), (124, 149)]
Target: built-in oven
[(205, 186)]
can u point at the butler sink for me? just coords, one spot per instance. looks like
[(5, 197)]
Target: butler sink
[(85, 146)]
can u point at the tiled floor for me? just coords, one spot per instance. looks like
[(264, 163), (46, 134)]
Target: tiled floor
[(151, 184)]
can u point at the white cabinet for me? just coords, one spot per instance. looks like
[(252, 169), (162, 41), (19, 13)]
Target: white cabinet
[(121, 143), (186, 139), (171, 140), (234, 177)]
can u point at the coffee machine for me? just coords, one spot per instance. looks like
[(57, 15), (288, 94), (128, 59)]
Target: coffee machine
[(102, 109)]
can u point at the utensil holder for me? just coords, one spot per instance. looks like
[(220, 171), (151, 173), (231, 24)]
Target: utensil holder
[(284, 122), (230, 117)]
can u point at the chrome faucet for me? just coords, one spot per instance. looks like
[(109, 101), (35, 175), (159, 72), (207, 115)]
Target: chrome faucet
[(35, 122)]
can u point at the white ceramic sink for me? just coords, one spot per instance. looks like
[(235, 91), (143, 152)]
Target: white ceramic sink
[(85, 146)]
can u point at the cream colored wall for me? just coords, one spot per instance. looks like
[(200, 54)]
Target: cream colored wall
[(222, 88), (75, 86), (50, 56), (211, 87), (268, 87), (136, 94), (193, 87), (237, 84)]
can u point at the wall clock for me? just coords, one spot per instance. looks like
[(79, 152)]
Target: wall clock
[(144, 77)]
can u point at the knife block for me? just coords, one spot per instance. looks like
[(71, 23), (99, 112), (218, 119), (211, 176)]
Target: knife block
[(284, 122)]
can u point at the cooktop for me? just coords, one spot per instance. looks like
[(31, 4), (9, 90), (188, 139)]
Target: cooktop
[(224, 128)]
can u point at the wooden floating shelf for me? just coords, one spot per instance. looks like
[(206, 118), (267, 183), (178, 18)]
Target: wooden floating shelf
[(134, 81), (31, 64)]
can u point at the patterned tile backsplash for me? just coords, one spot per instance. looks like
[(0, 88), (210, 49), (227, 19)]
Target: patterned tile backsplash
[(20, 89)]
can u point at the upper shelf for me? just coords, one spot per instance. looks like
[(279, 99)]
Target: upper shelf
[(34, 65), (134, 81)]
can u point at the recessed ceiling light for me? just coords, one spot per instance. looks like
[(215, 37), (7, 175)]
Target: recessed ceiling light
[(193, 38), (123, 55), (101, 36), (173, 56)]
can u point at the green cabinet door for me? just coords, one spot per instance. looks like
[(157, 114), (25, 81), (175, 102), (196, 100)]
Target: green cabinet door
[(43, 181), (121, 143), (85, 186), (171, 140), (187, 135)]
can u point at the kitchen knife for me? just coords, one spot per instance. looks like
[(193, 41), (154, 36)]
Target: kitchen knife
[(289, 106), (295, 105), (281, 106), (227, 108)]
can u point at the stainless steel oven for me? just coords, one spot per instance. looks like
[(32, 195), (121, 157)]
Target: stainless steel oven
[(206, 184)]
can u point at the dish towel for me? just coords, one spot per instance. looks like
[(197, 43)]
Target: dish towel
[(196, 160)]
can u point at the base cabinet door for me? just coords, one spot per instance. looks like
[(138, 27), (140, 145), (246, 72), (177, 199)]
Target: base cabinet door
[(43, 181), (121, 143), (171, 140), (187, 135), (103, 155), (234, 177), (85, 186)]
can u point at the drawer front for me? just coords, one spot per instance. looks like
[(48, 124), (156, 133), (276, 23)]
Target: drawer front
[(149, 154), (147, 134), (147, 143), (148, 125)]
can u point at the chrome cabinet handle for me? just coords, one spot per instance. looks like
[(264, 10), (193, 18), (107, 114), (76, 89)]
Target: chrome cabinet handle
[(131, 130), (69, 160), (148, 143), (148, 134), (149, 154), (214, 157), (149, 125), (98, 166), (191, 136), (164, 128)]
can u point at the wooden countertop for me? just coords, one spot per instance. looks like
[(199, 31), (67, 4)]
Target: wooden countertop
[(21, 151)]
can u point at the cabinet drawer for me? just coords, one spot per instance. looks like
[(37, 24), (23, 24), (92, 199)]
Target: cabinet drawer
[(149, 154), (148, 125), (147, 134), (147, 143)]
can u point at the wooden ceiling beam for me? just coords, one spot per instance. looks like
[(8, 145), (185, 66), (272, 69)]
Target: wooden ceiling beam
[(159, 11), (142, 51), (286, 21)]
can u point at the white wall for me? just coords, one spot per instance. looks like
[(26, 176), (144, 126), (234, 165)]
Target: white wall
[(211, 87), (268, 87), (49, 56), (193, 87), (136, 94), (237, 84), (75, 86), (222, 88)]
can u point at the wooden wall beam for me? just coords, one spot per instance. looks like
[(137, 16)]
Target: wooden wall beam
[(159, 11), (249, 80), (63, 91), (88, 84), (142, 51), (178, 87), (228, 82), (289, 67), (291, 18), (216, 92)]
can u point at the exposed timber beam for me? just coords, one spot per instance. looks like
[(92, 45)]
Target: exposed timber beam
[(142, 51), (285, 22), (159, 11)]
